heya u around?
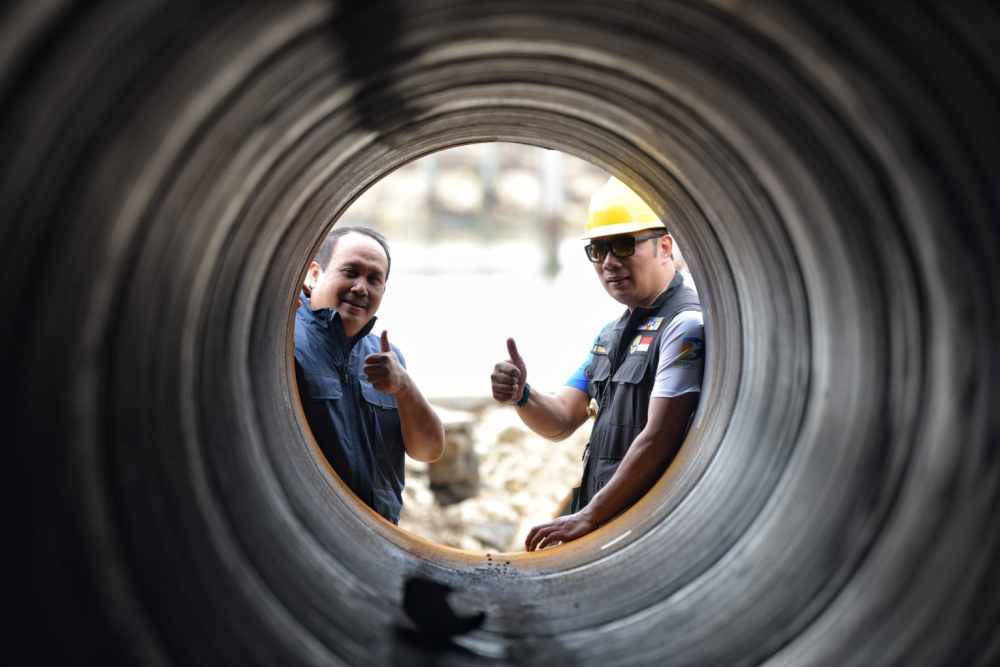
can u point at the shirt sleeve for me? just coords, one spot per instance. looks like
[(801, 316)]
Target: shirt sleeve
[(578, 380), (682, 357)]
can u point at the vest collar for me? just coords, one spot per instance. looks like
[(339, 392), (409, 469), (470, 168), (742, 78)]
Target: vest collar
[(674, 285)]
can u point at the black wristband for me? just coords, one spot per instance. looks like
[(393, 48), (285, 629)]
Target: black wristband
[(524, 395)]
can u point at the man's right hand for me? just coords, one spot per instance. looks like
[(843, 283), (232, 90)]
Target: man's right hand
[(509, 376)]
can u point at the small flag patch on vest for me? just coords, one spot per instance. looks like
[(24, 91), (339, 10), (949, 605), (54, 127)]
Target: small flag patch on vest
[(599, 349), (651, 324), (640, 344)]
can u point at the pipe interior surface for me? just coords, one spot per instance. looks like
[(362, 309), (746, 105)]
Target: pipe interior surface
[(831, 172)]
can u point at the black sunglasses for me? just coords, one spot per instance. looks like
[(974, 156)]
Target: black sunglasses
[(620, 246)]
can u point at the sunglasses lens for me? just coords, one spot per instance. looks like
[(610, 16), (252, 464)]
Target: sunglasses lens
[(596, 252), (623, 246)]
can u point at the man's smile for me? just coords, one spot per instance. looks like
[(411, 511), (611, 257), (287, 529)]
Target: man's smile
[(360, 306)]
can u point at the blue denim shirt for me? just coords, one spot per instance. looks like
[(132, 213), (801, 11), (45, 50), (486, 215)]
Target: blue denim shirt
[(356, 426)]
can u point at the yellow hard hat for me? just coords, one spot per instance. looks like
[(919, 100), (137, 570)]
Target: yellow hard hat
[(615, 209)]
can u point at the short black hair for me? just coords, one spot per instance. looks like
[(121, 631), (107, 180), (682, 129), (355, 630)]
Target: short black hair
[(325, 252)]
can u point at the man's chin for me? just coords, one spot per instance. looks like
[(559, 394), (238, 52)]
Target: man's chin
[(353, 313), (619, 293), (349, 309)]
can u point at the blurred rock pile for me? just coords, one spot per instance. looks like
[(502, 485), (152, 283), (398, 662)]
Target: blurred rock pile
[(497, 480)]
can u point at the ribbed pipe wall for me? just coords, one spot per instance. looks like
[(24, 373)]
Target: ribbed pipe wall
[(831, 172)]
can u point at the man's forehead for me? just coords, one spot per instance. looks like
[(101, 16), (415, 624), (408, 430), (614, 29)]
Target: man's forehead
[(360, 247)]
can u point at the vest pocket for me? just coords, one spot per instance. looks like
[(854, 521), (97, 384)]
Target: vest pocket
[(633, 369), (604, 470), (323, 387), (631, 386), (599, 369)]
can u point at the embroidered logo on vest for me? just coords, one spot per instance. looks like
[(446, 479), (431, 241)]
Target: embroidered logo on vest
[(651, 324)]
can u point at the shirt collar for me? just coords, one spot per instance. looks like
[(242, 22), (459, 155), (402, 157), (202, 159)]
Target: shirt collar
[(330, 319)]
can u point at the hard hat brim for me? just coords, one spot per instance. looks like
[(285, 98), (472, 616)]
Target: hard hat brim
[(621, 228)]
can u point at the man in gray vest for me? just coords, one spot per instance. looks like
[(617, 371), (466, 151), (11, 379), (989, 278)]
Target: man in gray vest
[(643, 372)]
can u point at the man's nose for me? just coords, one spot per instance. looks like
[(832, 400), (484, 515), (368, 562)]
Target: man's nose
[(611, 261), (359, 287)]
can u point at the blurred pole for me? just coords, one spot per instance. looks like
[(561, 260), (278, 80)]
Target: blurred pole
[(553, 199), (489, 172), (428, 167)]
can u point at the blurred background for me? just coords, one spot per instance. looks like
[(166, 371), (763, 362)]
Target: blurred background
[(485, 242)]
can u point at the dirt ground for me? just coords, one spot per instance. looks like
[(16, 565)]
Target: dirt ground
[(523, 481)]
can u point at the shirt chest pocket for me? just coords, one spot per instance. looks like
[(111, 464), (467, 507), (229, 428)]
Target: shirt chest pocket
[(323, 387), (377, 398)]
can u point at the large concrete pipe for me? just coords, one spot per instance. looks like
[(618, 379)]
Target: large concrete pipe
[(831, 171)]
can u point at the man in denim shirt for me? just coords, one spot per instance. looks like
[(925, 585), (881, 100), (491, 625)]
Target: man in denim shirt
[(362, 406)]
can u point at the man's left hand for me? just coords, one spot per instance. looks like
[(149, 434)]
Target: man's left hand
[(561, 529), (383, 369)]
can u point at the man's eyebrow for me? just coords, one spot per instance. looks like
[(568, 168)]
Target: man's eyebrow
[(359, 265)]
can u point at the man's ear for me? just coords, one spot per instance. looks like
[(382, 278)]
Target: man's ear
[(313, 274), (667, 245)]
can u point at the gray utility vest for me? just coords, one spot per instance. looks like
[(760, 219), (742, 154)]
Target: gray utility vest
[(620, 379)]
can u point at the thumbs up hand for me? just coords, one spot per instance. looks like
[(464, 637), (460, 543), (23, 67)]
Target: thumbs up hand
[(383, 369), (509, 376)]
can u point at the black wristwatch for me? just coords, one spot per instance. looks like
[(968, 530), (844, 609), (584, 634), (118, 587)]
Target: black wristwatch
[(524, 395)]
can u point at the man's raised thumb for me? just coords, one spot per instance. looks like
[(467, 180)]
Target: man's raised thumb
[(512, 351), (385, 341)]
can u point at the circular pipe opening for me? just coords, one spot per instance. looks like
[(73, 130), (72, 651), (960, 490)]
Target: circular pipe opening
[(457, 309)]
